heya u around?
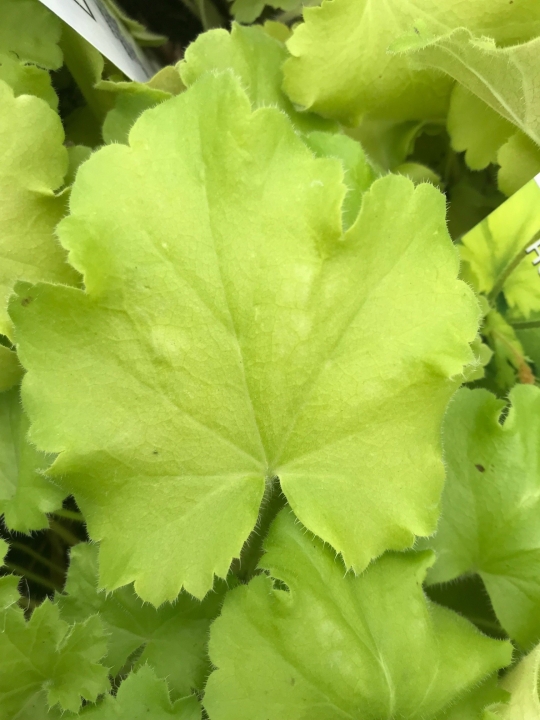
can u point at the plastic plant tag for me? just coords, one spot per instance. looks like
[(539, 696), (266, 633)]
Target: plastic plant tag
[(92, 20), (502, 253)]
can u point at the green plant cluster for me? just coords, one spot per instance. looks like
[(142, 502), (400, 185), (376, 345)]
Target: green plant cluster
[(269, 417)]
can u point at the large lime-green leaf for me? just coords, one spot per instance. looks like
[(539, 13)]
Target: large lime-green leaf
[(172, 639), (25, 494), (340, 65), (45, 653), (30, 32), (505, 78), (491, 504), (338, 646), (33, 162), (256, 58), (142, 696), (231, 333), (494, 251)]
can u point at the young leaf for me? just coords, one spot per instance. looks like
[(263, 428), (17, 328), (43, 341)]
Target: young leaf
[(341, 69), (25, 494), (339, 646), (246, 11), (172, 639), (33, 163), (30, 32), (231, 333), (256, 58), (489, 521), (45, 653), (142, 696)]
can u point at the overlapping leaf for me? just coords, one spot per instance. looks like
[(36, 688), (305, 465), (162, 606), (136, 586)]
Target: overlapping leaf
[(340, 65), (489, 521), (142, 696), (30, 32), (338, 646), (523, 684), (33, 163), (230, 333), (46, 654), (25, 494), (172, 639), (256, 58)]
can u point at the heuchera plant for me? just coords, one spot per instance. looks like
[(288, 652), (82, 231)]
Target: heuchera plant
[(239, 478)]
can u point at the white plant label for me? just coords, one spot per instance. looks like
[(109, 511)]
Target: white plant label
[(93, 21)]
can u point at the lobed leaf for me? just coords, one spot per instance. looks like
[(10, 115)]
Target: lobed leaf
[(490, 504), (231, 333), (172, 639), (33, 162), (46, 654), (256, 58), (340, 67), (333, 645), (142, 696)]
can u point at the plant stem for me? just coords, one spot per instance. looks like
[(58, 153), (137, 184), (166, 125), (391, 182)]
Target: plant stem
[(30, 551), (526, 325), (18, 570), (68, 537), (69, 515), (508, 270)]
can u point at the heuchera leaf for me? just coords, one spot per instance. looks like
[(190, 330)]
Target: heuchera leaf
[(494, 251), (519, 159), (28, 80), (231, 333), (10, 369), (172, 638), (256, 58), (333, 645), (358, 175), (45, 653), (523, 684), (489, 521), (246, 11), (33, 163), (340, 65), (142, 696), (25, 494), (476, 129), (504, 78), (30, 32)]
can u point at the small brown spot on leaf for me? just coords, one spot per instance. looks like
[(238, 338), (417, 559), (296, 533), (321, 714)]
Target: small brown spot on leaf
[(480, 468), (155, 452), (293, 680), (417, 31), (26, 301)]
